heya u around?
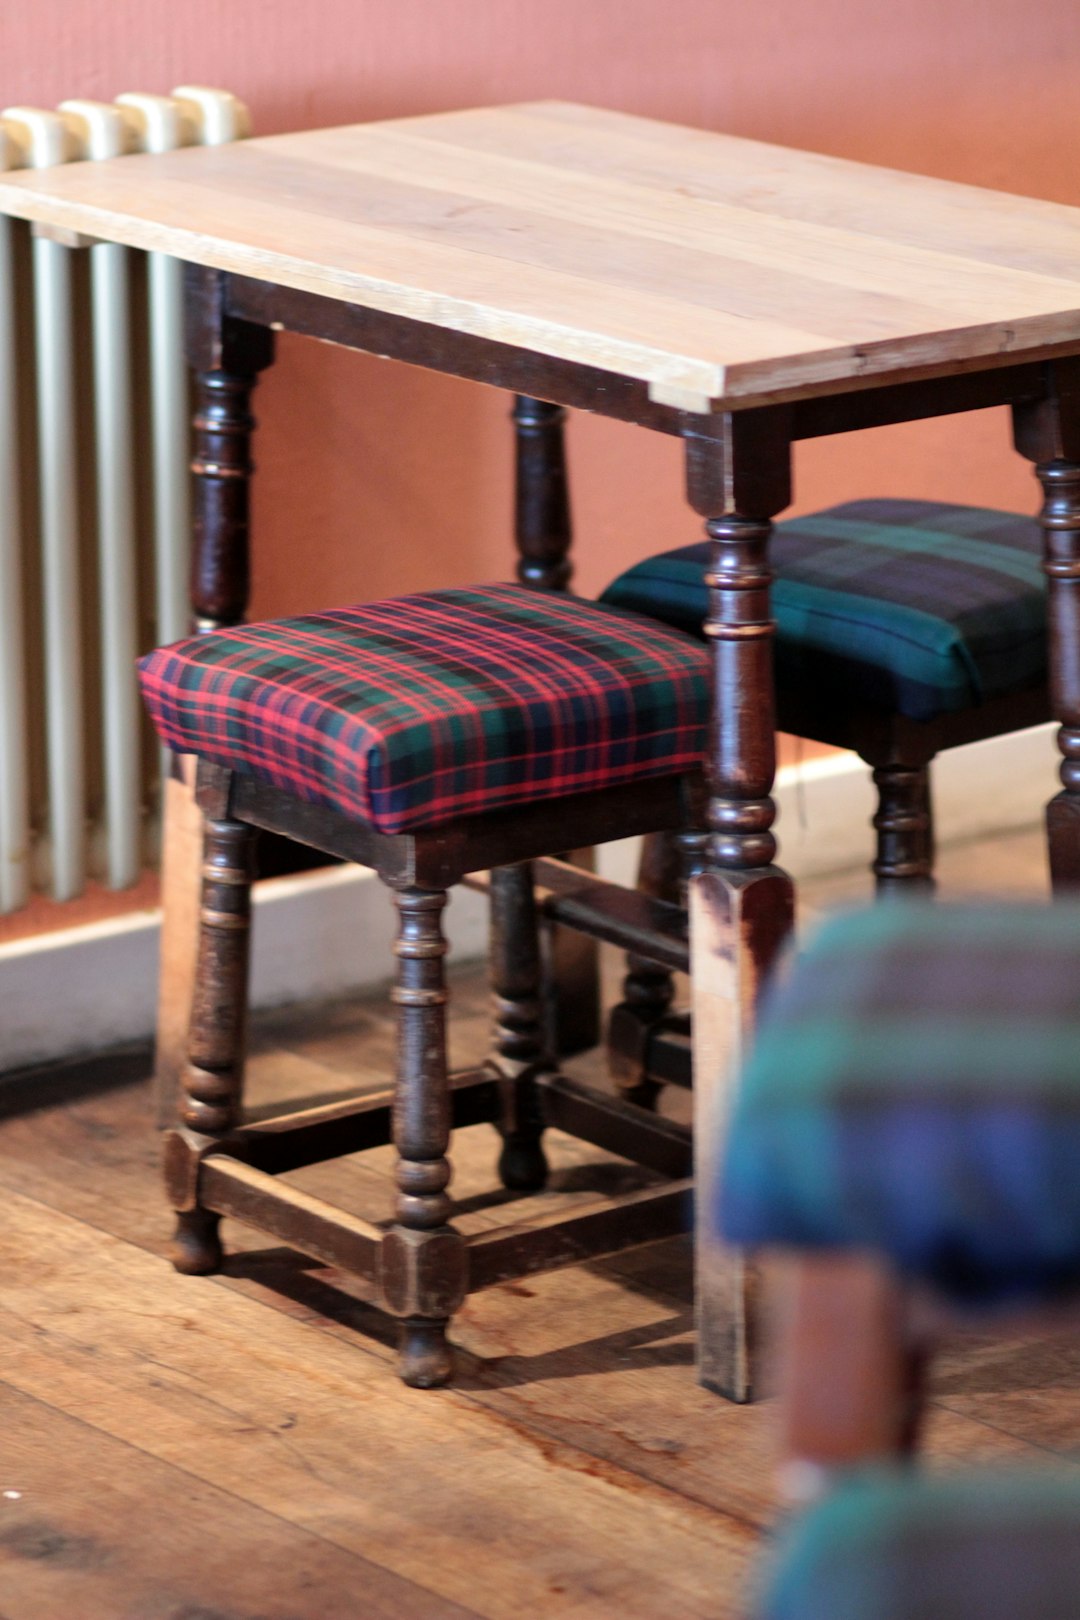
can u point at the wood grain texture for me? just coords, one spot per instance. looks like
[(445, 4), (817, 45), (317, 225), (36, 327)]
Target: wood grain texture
[(710, 267), (237, 1429)]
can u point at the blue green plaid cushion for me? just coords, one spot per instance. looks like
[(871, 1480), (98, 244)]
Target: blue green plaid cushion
[(894, 1546), (914, 1089), (417, 711), (912, 607)]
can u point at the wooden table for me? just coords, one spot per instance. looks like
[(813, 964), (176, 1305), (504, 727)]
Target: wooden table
[(738, 295)]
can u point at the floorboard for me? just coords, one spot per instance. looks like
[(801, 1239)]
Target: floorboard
[(238, 1447)]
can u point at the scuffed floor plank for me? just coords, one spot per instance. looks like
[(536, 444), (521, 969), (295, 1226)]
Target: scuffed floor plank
[(431, 1487), (94, 1528)]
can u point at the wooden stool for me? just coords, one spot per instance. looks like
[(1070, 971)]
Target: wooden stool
[(909, 1123), (426, 738), (891, 1545), (903, 628)]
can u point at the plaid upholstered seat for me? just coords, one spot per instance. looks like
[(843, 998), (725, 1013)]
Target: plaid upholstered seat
[(904, 1547), (908, 606), (915, 1090), (413, 712)]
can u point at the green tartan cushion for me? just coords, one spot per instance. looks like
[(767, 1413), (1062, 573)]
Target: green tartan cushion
[(914, 1089), (424, 709), (912, 607), (900, 1546)]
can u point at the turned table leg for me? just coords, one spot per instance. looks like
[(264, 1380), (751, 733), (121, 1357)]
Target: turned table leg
[(741, 905), (542, 534), (1060, 518), (226, 356), (424, 1263), (1047, 431)]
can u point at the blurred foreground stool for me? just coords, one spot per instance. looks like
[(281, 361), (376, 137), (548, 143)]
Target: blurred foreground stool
[(426, 737), (894, 1546), (909, 1120), (903, 628)]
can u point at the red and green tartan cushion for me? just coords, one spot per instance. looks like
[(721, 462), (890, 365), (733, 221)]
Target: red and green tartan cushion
[(417, 711)]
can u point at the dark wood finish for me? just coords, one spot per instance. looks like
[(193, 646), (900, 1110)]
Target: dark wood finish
[(226, 356), (439, 857), (423, 1258), (481, 360), (316, 1135), (518, 1048), (1047, 431), (619, 1127), (655, 929), (541, 495), (230, 1187), (739, 481), (648, 987), (214, 1076), (852, 403), (542, 532), (739, 923), (904, 859), (556, 1239)]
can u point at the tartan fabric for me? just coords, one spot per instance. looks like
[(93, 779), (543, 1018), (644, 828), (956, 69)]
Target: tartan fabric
[(900, 1546), (913, 607), (417, 711), (914, 1089)]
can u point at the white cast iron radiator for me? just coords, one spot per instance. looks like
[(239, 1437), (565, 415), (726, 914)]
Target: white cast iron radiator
[(94, 505)]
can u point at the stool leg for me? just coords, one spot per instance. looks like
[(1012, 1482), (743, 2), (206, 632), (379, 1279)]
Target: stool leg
[(519, 1053), (851, 1381), (214, 1074), (424, 1264), (904, 860), (648, 989)]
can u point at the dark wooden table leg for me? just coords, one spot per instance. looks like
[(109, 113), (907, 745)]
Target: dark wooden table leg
[(226, 356), (1048, 433), (542, 531), (741, 904), (519, 1053)]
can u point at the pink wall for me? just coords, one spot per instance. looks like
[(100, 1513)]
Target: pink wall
[(378, 478)]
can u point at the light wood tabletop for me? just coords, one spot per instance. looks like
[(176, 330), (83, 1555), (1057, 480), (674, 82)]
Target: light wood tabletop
[(708, 267)]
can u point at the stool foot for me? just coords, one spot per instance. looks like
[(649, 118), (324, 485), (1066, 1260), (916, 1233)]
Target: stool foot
[(196, 1247), (523, 1166), (426, 1359)]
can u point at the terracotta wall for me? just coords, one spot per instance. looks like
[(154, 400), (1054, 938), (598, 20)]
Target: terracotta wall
[(376, 478)]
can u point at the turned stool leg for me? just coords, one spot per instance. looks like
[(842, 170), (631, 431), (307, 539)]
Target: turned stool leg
[(648, 988), (424, 1266), (213, 1077), (904, 861), (519, 1053)]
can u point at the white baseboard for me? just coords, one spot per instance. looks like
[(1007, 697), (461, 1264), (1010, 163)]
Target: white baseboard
[(322, 933), (825, 805), (329, 933)]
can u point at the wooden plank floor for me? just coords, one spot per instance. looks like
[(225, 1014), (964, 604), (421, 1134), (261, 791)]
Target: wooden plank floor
[(238, 1447)]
